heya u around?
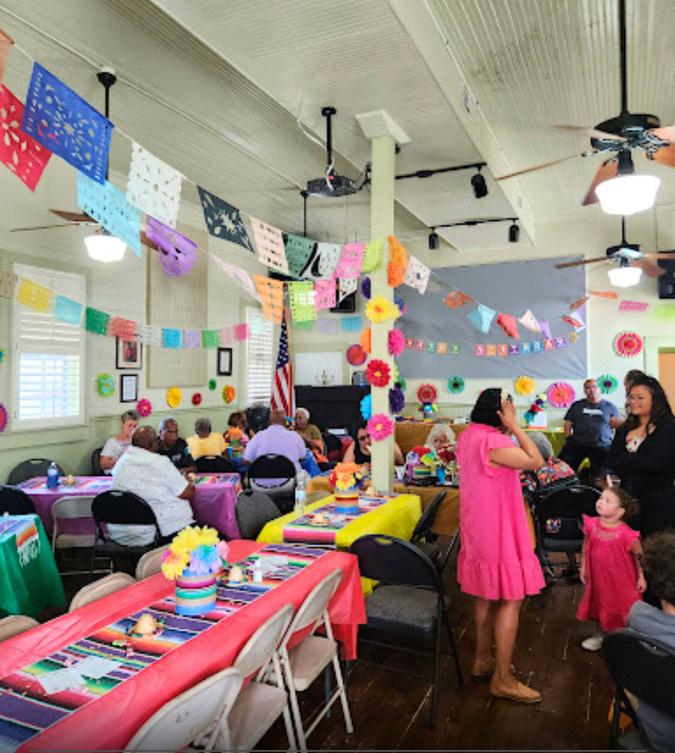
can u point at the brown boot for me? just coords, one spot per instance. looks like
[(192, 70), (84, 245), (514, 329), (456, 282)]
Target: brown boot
[(514, 691)]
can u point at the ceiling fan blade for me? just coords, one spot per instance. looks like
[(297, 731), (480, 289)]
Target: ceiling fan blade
[(667, 133), (606, 171), (72, 216), (48, 227), (661, 255), (591, 132), (539, 167), (578, 263), (665, 155), (651, 270)]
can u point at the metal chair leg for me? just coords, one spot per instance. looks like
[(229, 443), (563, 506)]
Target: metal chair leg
[(453, 648)]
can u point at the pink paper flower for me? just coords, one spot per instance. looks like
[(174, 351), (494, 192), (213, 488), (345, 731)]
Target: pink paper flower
[(144, 407), (396, 342), (380, 427)]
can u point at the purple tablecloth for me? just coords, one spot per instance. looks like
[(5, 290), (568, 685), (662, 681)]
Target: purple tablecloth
[(213, 503)]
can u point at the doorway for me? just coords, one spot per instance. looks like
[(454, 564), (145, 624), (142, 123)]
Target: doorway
[(667, 372)]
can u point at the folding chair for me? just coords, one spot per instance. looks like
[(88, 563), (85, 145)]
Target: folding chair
[(214, 464), (253, 510), (422, 537), (96, 462), (31, 468), (150, 563), (645, 668), (279, 473), (72, 508), (410, 600), (259, 704), (15, 624), (100, 588), (201, 710), (303, 663), (15, 501)]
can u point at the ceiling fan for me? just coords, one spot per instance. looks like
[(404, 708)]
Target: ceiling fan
[(628, 255), (618, 137)]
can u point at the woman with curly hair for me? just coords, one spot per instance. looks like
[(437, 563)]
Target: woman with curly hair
[(643, 454)]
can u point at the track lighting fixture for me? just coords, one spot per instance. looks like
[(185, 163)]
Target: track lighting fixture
[(479, 185), (514, 232), (433, 240)]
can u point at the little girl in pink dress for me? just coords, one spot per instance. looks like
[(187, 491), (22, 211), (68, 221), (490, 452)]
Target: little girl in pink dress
[(610, 568)]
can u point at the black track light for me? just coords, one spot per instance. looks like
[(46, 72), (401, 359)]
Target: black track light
[(433, 240), (514, 232), (479, 185)]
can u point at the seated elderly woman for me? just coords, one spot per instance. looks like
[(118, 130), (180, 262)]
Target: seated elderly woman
[(116, 446), (440, 437), (205, 441)]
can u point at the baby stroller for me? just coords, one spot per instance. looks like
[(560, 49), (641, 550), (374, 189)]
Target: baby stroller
[(558, 524)]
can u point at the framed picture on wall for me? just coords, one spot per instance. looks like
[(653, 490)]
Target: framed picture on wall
[(224, 362), (129, 388), (129, 354)]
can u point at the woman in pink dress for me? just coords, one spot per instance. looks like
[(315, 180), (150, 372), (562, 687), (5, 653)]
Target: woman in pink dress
[(496, 563)]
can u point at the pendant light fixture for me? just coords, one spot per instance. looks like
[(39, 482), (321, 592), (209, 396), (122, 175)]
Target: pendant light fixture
[(627, 193), (624, 276), (102, 246)]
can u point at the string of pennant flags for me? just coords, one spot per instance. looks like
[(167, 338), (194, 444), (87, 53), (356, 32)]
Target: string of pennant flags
[(56, 120)]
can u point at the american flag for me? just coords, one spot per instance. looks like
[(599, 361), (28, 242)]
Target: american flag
[(282, 390)]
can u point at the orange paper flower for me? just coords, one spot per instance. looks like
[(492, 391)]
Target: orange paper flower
[(395, 273), (366, 340)]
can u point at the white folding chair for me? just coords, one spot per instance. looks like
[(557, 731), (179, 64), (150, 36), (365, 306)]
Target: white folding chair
[(259, 705), (201, 710), (303, 663), (100, 588), (72, 508), (15, 624), (150, 563)]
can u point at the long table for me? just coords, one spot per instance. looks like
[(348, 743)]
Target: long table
[(109, 720), (213, 504)]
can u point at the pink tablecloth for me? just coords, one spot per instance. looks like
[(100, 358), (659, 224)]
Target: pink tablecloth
[(213, 503), (109, 722)]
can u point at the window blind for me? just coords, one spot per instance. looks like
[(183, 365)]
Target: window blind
[(260, 355)]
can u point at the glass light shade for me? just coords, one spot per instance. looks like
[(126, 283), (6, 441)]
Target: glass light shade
[(628, 194), (624, 277), (105, 248)]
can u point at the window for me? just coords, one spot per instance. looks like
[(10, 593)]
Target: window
[(259, 357), (48, 363)]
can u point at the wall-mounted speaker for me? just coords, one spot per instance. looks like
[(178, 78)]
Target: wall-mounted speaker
[(667, 281)]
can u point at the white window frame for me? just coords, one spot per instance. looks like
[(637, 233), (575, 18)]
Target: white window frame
[(260, 357), (60, 283)]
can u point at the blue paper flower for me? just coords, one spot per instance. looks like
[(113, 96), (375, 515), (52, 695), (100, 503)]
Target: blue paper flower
[(366, 407)]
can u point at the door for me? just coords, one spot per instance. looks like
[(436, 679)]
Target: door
[(667, 372)]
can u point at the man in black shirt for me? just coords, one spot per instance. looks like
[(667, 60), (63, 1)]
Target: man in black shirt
[(175, 448)]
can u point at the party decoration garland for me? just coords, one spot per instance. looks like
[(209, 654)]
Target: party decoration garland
[(3, 418), (105, 385), (174, 397), (456, 385), (524, 385), (378, 373), (628, 344), (229, 393), (380, 427), (144, 407), (607, 384), (379, 309), (561, 394), (356, 355)]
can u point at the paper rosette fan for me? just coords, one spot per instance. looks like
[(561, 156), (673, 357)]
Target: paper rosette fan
[(356, 355), (144, 407), (628, 344), (427, 393), (524, 385), (456, 385), (607, 384), (229, 393), (105, 385), (561, 394)]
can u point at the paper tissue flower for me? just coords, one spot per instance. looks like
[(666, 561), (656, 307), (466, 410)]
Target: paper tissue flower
[(197, 398), (3, 418), (212, 384), (2, 355), (379, 309), (628, 344), (173, 563), (366, 340), (561, 394), (174, 397), (365, 287), (607, 384), (144, 407), (395, 273), (396, 342), (229, 393), (356, 355), (396, 400), (378, 373), (380, 427), (194, 548), (346, 476), (105, 385), (524, 385), (400, 304), (367, 407), (456, 385)]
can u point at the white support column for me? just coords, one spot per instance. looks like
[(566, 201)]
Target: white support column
[(384, 134)]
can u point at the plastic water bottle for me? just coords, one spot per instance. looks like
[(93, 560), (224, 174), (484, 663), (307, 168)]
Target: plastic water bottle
[(53, 476), (257, 570), (300, 493)]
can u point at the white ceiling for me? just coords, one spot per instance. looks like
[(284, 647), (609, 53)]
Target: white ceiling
[(217, 88)]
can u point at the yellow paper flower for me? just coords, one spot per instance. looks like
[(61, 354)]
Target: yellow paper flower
[(173, 564), (174, 397), (379, 309), (207, 536), (524, 385), (186, 540)]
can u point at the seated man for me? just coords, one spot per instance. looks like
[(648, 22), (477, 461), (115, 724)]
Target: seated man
[(142, 471), (173, 447), (275, 440), (310, 434), (205, 441), (658, 562), (116, 446)]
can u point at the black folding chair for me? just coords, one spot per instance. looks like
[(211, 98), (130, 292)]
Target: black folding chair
[(644, 667), (96, 462), (15, 501), (422, 537), (333, 447), (214, 464), (31, 469), (558, 523), (253, 510), (121, 508), (279, 474), (409, 601)]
